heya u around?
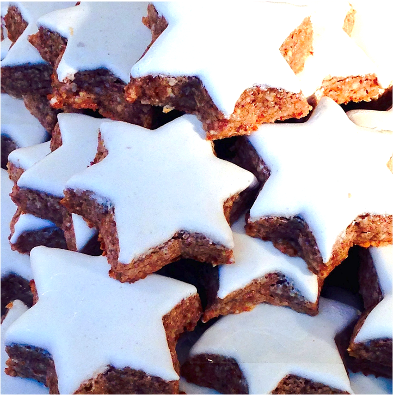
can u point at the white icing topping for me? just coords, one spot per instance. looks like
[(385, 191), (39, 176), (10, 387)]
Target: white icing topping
[(378, 324), (324, 14), (79, 141), (379, 120), (271, 342), (82, 231), (22, 52), (6, 43), (192, 389), (335, 55), (318, 172), (100, 35), (183, 186), (255, 258), (383, 263), (87, 320), (16, 385), (18, 124), (372, 25), (11, 261), (26, 157), (224, 54), (28, 223), (360, 384), (370, 384)]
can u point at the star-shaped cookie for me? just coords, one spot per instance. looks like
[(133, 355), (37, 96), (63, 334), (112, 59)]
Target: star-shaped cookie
[(22, 52), (45, 179), (88, 322), (23, 70), (329, 186), (92, 23), (338, 67), (91, 60), (264, 347), (15, 384), (11, 261), (371, 341), (158, 196), (15, 267), (18, 127), (237, 50), (260, 274), (19, 124)]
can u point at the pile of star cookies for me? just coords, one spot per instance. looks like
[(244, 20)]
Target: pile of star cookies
[(181, 184)]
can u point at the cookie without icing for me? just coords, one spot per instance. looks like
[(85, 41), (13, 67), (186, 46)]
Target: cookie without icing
[(322, 197), (90, 331), (154, 209)]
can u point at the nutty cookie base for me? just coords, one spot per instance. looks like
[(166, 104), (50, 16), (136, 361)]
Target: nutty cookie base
[(371, 357), (31, 362), (254, 107), (224, 375), (97, 90), (274, 288), (293, 237), (15, 287)]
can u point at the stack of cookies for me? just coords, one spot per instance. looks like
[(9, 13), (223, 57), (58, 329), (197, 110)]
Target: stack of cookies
[(207, 174)]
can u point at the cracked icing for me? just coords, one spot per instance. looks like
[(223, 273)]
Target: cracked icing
[(183, 186), (318, 172), (87, 321), (209, 56)]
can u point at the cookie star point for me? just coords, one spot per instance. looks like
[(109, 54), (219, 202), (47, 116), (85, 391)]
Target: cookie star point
[(181, 188), (81, 308), (312, 180)]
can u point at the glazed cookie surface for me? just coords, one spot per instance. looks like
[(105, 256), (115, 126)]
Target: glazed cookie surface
[(176, 196), (317, 183), (125, 329)]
